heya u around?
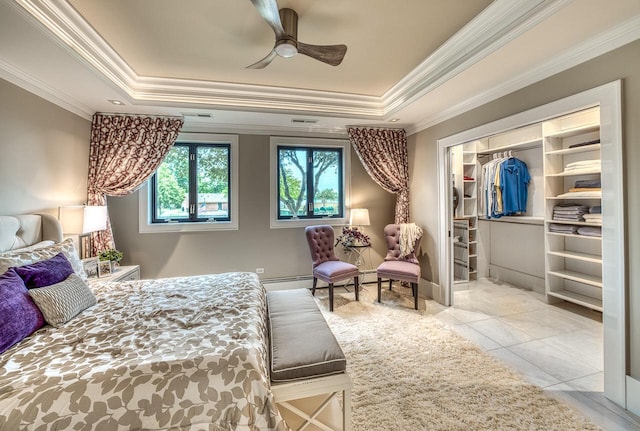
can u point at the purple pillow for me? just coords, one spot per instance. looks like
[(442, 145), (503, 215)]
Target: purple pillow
[(46, 272), (19, 315)]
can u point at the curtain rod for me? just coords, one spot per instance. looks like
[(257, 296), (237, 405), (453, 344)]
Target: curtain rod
[(373, 127)]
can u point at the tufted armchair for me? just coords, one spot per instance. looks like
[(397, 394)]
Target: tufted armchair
[(396, 267), (326, 266)]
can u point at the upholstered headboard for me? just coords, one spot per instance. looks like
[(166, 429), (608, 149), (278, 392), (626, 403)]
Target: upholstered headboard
[(24, 230)]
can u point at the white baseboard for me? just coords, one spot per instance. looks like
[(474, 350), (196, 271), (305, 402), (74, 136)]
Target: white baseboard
[(306, 281), (517, 278), (633, 395), (429, 289)]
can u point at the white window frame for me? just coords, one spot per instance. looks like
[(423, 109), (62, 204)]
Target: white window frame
[(144, 194), (273, 186)]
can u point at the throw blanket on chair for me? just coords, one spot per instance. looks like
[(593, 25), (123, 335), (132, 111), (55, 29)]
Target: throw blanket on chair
[(409, 234)]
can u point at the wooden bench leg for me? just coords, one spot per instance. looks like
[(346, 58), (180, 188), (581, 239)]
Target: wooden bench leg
[(308, 413), (346, 409)]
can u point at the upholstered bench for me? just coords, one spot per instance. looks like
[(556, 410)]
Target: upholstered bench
[(307, 364)]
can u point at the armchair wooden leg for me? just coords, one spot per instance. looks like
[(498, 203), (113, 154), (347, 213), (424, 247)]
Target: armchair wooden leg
[(414, 288), (379, 288), (356, 284), (330, 296), (313, 289), (390, 283)]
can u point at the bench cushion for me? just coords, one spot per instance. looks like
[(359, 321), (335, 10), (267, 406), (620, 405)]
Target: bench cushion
[(302, 344)]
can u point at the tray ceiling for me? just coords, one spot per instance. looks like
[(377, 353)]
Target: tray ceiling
[(418, 61)]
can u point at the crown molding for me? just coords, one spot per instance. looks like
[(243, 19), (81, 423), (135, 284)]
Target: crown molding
[(493, 28), (499, 23), (616, 37), (251, 129), (67, 27), (256, 98), (32, 84)]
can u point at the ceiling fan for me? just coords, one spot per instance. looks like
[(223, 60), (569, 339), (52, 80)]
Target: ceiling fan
[(285, 26)]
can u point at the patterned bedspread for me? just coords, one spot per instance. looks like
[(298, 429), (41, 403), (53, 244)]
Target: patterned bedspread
[(182, 353)]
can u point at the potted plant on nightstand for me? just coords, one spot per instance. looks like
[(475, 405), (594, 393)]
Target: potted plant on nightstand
[(112, 255)]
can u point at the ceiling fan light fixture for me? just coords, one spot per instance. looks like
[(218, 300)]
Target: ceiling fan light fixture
[(286, 49)]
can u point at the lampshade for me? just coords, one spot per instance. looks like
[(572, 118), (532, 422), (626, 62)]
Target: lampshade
[(80, 219), (359, 217)]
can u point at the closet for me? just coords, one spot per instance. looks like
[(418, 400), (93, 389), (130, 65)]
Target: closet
[(465, 254), (569, 244), (553, 245)]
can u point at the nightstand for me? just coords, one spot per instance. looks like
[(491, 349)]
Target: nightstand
[(122, 273)]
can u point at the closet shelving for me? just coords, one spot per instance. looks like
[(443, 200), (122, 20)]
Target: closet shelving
[(511, 143), (573, 262), (465, 245), (525, 144)]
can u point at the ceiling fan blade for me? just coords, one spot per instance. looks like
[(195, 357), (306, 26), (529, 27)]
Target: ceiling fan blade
[(268, 9), (264, 62), (330, 54)]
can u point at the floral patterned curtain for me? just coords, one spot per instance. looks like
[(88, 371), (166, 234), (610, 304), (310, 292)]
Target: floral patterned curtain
[(383, 153), (125, 150)]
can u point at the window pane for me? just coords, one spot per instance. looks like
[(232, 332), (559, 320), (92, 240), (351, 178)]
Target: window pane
[(292, 182), (172, 185), (213, 182), (326, 183)]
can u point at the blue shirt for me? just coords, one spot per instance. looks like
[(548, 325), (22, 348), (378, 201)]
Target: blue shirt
[(514, 182)]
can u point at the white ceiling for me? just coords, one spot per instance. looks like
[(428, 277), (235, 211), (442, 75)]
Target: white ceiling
[(420, 61)]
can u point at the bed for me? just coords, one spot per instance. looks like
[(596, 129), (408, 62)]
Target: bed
[(185, 353)]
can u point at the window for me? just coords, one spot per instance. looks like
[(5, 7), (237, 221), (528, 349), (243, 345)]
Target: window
[(192, 184), (195, 186), (308, 181)]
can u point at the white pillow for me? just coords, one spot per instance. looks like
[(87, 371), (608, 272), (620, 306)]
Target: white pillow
[(27, 256), (36, 246), (63, 301)]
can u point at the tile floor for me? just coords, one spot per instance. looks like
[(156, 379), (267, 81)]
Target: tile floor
[(557, 347)]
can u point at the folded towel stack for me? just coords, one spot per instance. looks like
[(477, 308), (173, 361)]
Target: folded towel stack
[(590, 231), (593, 219), (582, 165), (570, 212), (563, 228), (584, 144), (587, 184)]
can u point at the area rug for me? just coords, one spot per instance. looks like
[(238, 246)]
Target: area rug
[(410, 372)]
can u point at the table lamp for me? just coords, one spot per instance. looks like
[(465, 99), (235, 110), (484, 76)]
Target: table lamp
[(359, 217), (81, 220)]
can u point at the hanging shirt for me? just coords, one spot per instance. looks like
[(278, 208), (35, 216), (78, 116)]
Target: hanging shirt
[(515, 178)]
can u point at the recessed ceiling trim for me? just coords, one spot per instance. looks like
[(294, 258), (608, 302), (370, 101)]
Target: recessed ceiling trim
[(487, 32), (493, 28), (616, 37), (193, 125), (68, 29), (255, 97), (34, 85)]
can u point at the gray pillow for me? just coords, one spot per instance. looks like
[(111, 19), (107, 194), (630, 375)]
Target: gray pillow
[(63, 301)]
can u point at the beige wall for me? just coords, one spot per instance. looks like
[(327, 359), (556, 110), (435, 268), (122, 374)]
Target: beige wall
[(623, 63), (281, 252), (44, 153)]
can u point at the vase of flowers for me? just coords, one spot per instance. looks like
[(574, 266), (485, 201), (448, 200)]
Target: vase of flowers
[(112, 255), (351, 236)]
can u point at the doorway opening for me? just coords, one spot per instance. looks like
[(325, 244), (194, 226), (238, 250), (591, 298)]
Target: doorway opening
[(547, 257)]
